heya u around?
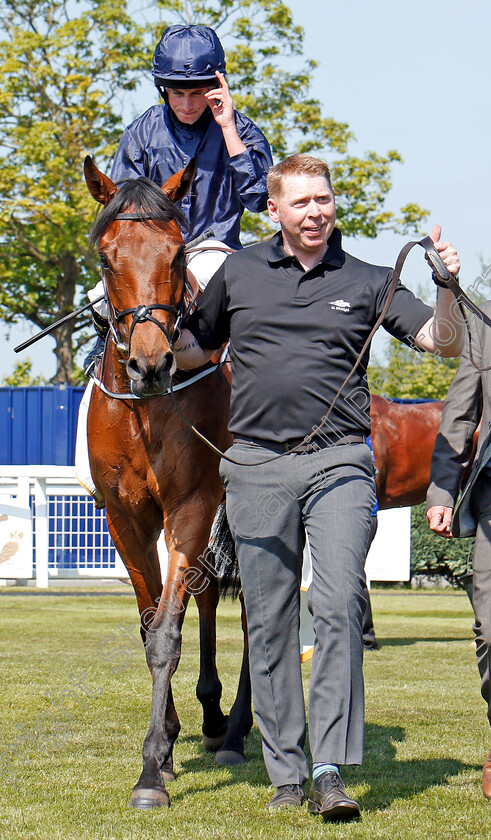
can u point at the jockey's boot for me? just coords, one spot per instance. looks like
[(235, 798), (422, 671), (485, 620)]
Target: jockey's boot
[(95, 353)]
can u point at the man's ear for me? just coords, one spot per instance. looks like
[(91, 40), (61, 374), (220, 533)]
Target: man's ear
[(273, 211)]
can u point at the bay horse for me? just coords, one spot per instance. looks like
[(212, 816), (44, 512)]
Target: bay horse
[(152, 472), (403, 436)]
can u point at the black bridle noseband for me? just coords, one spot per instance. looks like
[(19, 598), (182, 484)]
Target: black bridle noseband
[(141, 314)]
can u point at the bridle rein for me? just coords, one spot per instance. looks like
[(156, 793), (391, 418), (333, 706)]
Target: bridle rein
[(141, 314)]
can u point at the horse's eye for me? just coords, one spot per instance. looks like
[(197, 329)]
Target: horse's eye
[(104, 261), (180, 257)]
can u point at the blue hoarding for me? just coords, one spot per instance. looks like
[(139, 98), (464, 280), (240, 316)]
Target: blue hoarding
[(38, 425)]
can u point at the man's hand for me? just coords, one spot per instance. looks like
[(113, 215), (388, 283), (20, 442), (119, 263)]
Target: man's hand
[(440, 520), (443, 333), (222, 108), (446, 250), (221, 103)]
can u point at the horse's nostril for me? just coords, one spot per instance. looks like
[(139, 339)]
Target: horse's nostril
[(166, 365), (134, 369), (151, 376)]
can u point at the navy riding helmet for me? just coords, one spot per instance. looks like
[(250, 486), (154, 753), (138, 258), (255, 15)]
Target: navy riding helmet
[(187, 57)]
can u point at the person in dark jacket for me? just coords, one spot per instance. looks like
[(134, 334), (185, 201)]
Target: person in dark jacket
[(468, 407), (196, 120)]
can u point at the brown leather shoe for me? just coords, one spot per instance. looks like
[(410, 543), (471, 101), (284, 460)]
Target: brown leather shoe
[(328, 798), (486, 776)]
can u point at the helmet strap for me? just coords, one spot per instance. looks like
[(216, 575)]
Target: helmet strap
[(163, 93)]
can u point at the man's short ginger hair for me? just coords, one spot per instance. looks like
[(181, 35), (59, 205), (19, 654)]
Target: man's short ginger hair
[(296, 165)]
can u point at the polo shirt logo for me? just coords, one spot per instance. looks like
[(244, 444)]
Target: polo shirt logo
[(340, 305)]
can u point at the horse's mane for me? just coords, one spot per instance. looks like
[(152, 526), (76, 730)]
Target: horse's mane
[(142, 196)]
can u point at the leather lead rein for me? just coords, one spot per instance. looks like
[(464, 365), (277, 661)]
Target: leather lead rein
[(440, 269)]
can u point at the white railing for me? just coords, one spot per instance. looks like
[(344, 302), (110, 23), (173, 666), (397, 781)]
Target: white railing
[(49, 527)]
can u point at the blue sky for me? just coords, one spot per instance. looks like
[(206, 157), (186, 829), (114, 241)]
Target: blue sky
[(413, 77)]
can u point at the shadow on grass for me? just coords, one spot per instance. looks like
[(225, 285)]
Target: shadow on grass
[(402, 642), (389, 779), (253, 772)]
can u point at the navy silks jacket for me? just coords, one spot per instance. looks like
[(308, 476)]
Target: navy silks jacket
[(157, 145)]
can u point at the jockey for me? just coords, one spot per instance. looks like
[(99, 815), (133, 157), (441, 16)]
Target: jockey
[(197, 120)]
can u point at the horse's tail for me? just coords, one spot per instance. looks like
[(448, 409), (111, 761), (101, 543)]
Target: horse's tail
[(225, 559)]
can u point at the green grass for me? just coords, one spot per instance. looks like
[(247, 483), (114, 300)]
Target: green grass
[(426, 730)]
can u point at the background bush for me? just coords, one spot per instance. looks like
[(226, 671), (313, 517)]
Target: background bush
[(432, 555)]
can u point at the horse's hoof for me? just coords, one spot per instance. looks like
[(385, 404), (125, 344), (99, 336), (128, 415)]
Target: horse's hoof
[(213, 744), (230, 757), (145, 798)]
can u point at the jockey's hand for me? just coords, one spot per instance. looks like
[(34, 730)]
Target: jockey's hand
[(446, 250), (221, 103), (440, 520)]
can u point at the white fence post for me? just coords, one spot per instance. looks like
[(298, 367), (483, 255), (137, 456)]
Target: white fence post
[(66, 526), (42, 536)]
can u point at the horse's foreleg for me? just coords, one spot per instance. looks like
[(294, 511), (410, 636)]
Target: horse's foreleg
[(240, 718), (161, 615), (209, 687), (163, 651)]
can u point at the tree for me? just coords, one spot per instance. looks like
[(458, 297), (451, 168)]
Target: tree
[(22, 377), (62, 67), (264, 46), (65, 65)]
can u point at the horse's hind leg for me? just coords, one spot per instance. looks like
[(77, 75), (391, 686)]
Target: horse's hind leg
[(240, 718), (209, 687)]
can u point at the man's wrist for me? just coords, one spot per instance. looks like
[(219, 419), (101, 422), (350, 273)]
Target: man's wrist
[(442, 284)]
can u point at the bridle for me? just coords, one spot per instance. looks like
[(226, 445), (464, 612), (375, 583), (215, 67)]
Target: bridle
[(144, 313), (140, 314)]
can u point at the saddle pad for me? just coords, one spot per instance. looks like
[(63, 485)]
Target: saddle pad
[(82, 465)]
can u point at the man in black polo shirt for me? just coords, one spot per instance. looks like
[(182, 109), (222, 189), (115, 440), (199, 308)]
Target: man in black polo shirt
[(297, 310)]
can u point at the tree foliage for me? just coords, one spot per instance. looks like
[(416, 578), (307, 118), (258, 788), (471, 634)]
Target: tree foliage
[(62, 68), (22, 377), (270, 81), (408, 374), (65, 66)]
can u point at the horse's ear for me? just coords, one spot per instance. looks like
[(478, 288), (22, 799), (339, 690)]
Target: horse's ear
[(100, 186), (178, 185)]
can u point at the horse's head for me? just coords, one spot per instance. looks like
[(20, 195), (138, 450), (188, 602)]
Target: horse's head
[(142, 260)]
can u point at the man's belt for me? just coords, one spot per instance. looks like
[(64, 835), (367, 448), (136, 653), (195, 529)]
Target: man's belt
[(321, 442)]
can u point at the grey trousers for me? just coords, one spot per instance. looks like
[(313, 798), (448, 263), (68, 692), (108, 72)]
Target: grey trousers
[(481, 597), (330, 494)]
